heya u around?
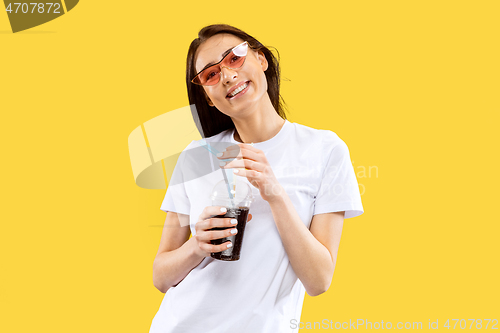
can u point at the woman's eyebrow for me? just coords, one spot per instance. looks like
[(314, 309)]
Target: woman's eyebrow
[(222, 57)]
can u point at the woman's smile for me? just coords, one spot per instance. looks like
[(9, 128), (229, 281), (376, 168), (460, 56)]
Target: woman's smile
[(238, 90)]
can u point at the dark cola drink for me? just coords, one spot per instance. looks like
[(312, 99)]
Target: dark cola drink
[(232, 253)]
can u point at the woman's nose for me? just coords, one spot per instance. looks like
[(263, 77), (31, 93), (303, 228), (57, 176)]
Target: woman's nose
[(228, 75)]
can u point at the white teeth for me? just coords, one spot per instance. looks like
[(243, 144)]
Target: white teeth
[(237, 90)]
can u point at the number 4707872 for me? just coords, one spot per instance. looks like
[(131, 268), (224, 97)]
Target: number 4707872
[(37, 8), (480, 323)]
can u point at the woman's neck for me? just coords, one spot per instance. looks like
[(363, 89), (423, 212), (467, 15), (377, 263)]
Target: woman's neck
[(259, 127)]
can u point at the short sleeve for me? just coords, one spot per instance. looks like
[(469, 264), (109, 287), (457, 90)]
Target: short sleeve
[(338, 190), (176, 199)]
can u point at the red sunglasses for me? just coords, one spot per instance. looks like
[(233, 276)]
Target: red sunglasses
[(212, 74)]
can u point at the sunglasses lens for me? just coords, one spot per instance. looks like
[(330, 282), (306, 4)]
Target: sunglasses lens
[(233, 61), (209, 76)]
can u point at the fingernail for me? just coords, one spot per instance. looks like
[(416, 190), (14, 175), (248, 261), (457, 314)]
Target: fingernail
[(222, 163), (220, 154), (233, 231), (229, 245), (236, 171), (234, 221), (223, 210)]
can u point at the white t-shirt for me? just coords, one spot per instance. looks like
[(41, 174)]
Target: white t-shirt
[(260, 292)]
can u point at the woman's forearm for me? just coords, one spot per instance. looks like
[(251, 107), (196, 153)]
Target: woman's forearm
[(170, 268), (311, 260)]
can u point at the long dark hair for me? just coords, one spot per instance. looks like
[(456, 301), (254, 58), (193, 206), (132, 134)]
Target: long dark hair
[(209, 120)]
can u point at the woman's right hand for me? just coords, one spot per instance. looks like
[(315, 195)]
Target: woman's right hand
[(204, 235)]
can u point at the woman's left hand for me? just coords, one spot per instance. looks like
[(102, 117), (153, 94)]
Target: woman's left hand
[(259, 172)]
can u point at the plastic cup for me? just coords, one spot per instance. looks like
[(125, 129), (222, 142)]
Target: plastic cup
[(237, 198)]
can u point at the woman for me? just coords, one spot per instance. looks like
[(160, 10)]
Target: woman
[(304, 187)]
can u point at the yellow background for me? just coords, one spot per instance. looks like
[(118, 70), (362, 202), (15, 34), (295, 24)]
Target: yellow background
[(411, 87)]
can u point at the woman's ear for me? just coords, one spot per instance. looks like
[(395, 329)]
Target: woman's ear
[(263, 61)]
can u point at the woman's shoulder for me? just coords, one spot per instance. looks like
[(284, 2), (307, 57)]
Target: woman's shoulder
[(322, 143), (324, 136)]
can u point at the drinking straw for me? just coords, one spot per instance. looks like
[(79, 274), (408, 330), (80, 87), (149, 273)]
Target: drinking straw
[(234, 179), (214, 151)]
